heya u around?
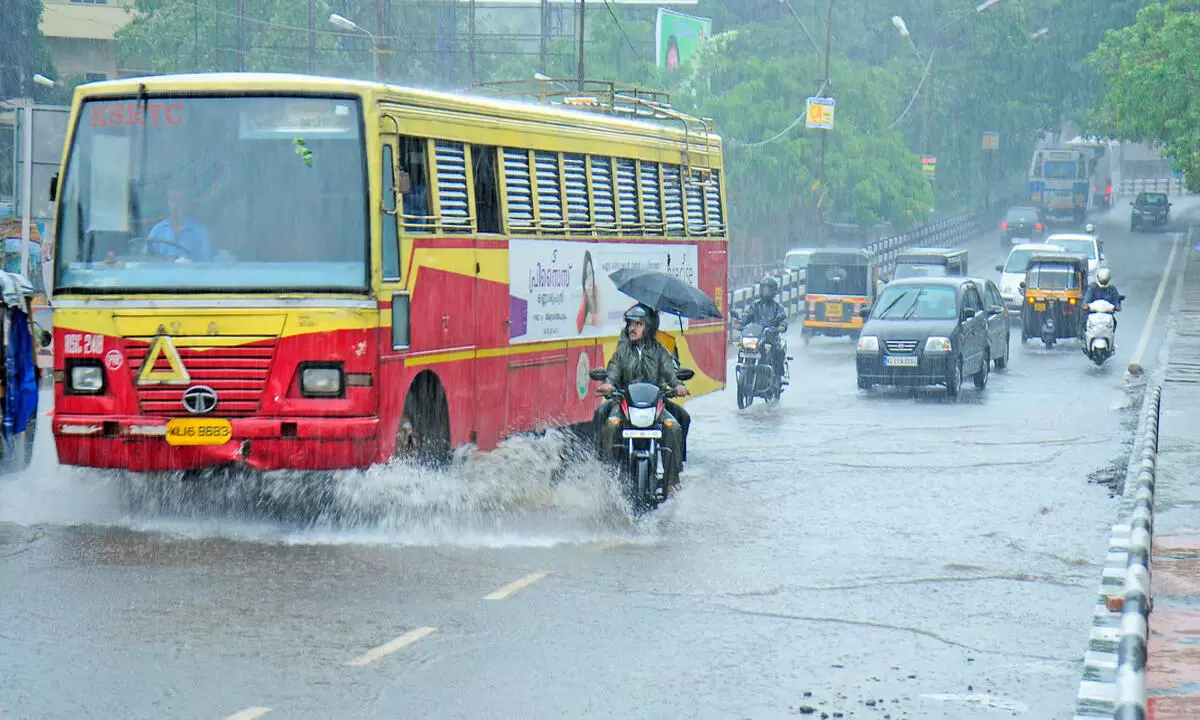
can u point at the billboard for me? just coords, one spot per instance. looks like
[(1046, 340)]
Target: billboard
[(561, 290), (677, 37)]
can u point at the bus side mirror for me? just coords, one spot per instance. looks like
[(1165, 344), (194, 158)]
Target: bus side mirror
[(53, 195), (601, 374), (685, 374)]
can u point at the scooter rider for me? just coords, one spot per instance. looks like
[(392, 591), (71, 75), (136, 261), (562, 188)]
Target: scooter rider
[(641, 358), (769, 313), (1103, 289)]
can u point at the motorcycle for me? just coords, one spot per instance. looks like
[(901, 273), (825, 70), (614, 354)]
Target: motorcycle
[(1099, 336), (755, 376), (644, 456)]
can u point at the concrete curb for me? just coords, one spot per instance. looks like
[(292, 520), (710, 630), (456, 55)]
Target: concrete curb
[(1114, 667)]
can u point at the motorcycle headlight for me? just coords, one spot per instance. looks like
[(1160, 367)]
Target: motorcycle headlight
[(642, 417), (868, 344), (750, 343), (938, 344)]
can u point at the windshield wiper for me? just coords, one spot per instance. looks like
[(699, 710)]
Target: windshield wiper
[(913, 308), (892, 304)]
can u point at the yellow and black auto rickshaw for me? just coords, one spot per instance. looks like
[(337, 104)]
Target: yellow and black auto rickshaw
[(1053, 288), (840, 282)]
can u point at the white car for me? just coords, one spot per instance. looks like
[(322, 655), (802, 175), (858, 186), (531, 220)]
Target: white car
[(1081, 244), (1012, 272)]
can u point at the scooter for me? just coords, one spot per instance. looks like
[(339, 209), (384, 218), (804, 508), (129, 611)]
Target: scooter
[(1099, 337), (755, 376), (644, 457)]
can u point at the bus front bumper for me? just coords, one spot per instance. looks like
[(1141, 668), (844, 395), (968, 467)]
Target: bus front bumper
[(139, 443)]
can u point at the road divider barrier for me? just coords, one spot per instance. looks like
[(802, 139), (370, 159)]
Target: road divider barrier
[(1114, 667)]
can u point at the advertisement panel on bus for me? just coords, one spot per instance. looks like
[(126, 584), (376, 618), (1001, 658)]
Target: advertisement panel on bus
[(561, 290)]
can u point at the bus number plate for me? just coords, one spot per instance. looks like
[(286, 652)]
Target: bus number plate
[(198, 431)]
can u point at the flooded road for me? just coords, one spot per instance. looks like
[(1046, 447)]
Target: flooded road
[(841, 554)]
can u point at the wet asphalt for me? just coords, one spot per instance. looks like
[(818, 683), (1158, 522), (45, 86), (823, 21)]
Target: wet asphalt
[(839, 554)]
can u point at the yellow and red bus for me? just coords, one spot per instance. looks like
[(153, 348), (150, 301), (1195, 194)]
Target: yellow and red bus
[(294, 272)]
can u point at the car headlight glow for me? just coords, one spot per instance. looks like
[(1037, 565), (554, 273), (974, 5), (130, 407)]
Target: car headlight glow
[(87, 378), (642, 417), (750, 343), (938, 344), (321, 381), (868, 344)]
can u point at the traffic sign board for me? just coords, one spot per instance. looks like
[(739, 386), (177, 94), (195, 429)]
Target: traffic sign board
[(820, 113), (929, 166), (991, 141)]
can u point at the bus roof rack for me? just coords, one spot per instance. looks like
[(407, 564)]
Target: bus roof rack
[(613, 98)]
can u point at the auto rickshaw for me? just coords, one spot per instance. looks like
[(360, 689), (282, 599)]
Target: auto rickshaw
[(1053, 288), (840, 283)]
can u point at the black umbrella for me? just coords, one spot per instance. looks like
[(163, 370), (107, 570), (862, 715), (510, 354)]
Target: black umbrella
[(665, 293)]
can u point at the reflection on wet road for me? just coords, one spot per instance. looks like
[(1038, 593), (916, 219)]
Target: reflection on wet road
[(873, 555)]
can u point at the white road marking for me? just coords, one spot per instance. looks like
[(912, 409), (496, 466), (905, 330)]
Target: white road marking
[(249, 714), (388, 648), (515, 587), (1135, 363)]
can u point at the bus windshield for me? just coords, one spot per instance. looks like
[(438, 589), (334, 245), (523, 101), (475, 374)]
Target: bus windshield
[(1059, 170), (211, 194)]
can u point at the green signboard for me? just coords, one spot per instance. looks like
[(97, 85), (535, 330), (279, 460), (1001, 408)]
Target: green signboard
[(678, 37)]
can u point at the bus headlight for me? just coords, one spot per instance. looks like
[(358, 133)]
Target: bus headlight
[(87, 379), (321, 381)]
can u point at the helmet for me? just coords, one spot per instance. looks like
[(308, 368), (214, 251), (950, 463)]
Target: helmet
[(1103, 275), (1089, 228), (644, 314), (767, 287)]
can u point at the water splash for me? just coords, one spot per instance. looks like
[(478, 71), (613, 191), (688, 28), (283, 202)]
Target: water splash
[(532, 491)]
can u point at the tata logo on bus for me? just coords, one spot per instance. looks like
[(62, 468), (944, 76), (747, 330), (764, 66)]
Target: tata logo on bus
[(130, 114)]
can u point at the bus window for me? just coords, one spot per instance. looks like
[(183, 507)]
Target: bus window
[(487, 194), (391, 250), (414, 184)]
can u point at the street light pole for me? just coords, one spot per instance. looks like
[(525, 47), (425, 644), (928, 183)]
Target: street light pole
[(825, 84), (582, 17), (347, 24)]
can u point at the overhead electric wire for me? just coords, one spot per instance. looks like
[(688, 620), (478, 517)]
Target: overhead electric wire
[(915, 93), (782, 132), (617, 20)]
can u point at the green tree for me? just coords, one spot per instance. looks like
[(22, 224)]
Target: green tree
[(1152, 70), (23, 51)]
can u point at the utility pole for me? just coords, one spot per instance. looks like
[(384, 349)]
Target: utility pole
[(312, 38), (825, 84), (196, 37), (380, 35), (241, 33), (471, 44), (545, 38), (582, 16)]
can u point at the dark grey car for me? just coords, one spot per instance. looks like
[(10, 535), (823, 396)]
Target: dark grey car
[(927, 331), (998, 322), (1150, 209)]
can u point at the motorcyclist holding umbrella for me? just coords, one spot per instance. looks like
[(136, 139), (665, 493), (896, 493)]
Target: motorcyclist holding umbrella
[(641, 358)]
